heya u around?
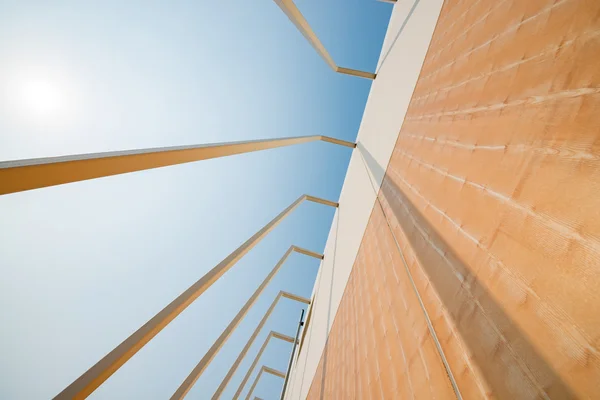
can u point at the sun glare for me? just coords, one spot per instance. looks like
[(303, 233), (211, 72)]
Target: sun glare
[(42, 98)]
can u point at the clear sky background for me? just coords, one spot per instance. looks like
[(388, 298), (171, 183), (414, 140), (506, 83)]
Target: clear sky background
[(84, 265)]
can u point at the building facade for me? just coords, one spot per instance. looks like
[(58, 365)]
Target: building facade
[(464, 259)]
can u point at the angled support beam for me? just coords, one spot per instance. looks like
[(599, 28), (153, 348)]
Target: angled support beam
[(83, 386), (268, 371), (249, 344), (187, 384), (292, 12), (272, 335), (21, 175), (338, 141)]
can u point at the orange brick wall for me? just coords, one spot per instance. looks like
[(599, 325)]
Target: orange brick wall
[(483, 248)]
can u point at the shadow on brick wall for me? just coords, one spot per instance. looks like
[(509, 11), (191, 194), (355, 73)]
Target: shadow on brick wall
[(508, 361)]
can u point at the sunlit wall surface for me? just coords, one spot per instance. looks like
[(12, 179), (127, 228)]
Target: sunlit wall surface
[(478, 271)]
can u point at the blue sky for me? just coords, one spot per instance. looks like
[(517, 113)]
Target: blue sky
[(84, 265)]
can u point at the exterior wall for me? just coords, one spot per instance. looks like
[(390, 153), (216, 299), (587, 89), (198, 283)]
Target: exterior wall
[(380, 346), (479, 270), (401, 59)]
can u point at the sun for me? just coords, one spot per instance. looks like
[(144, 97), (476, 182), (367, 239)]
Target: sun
[(42, 97)]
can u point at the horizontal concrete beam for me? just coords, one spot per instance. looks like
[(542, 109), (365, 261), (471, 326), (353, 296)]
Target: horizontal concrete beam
[(83, 386), (249, 343), (268, 371), (189, 382), (21, 175), (294, 14)]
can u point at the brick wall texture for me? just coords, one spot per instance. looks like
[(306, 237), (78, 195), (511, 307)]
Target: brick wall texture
[(479, 271)]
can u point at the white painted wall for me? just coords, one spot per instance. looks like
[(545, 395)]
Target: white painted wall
[(405, 46)]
